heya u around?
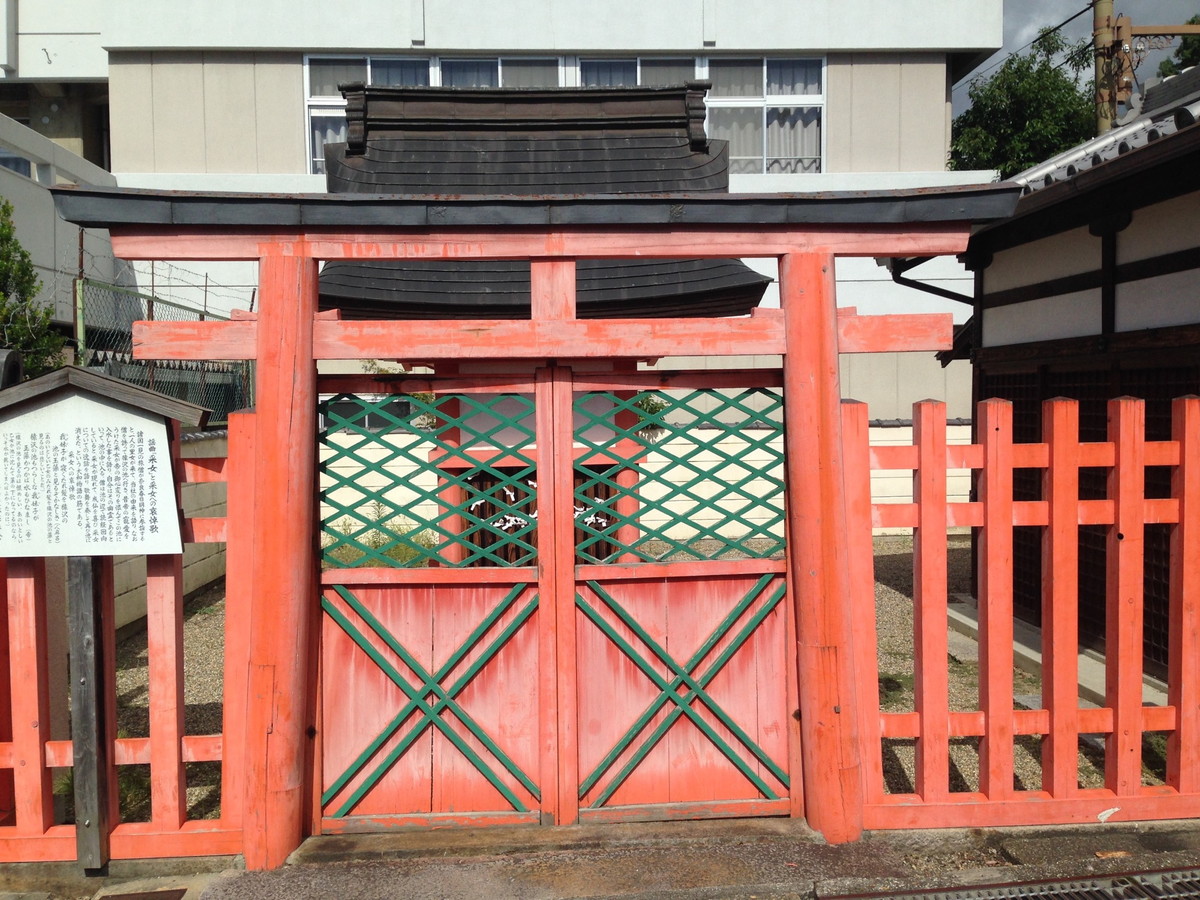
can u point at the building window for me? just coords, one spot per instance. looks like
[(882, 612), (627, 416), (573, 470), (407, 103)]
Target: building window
[(471, 73), (770, 112), (327, 108), (768, 109), (647, 72), (530, 73)]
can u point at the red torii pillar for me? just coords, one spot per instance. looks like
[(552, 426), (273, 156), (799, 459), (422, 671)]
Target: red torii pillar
[(283, 611)]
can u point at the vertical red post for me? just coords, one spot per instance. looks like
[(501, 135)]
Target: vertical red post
[(930, 616), (283, 545), (856, 433), (1123, 603), (30, 694), (1183, 677), (239, 598), (557, 466), (7, 800), (996, 599), (818, 562), (1060, 598)]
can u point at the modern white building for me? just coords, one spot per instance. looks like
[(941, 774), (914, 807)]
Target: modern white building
[(819, 95)]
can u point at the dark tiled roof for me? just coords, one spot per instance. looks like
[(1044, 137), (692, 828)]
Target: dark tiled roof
[(480, 143), (496, 164), (1167, 109), (449, 289)]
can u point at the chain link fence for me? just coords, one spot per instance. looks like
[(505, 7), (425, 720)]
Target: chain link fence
[(104, 317)]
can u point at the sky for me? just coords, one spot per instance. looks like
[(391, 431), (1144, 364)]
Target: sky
[(1024, 18)]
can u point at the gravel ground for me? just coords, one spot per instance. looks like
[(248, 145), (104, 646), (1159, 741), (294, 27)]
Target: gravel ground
[(203, 655), (204, 643)]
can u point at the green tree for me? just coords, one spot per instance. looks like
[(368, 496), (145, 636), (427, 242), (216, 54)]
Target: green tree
[(25, 324), (1034, 106), (1187, 54)]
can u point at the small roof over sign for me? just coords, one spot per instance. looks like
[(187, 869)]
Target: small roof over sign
[(105, 386)]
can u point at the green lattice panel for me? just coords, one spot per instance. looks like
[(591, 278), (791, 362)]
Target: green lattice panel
[(680, 475), (448, 480)]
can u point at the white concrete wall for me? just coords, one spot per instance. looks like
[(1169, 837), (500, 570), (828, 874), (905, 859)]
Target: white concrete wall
[(468, 25), (53, 244), (1069, 253), (1155, 301), (60, 40), (1161, 300)]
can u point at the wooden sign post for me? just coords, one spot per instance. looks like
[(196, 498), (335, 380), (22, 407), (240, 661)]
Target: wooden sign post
[(87, 475)]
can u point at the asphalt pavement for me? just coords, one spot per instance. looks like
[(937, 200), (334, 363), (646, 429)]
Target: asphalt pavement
[(765, 859)]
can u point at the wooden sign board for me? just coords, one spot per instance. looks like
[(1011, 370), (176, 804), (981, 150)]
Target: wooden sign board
[(85, 475)]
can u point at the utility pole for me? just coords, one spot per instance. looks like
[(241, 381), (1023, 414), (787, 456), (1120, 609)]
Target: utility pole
[(1102, 42), (1119, 47)]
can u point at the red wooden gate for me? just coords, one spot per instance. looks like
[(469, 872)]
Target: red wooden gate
[(555, 598), (505, 644)]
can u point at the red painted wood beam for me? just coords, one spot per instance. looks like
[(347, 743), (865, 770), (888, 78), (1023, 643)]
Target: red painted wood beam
[(285, 576), (602, 242), (557, 338), (819, 570)]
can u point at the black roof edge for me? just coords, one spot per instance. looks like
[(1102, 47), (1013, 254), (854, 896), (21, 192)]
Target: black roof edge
[(98, 207)]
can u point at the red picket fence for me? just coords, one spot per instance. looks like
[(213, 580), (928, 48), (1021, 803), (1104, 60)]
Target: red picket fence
[(998, 724), (28, 755)]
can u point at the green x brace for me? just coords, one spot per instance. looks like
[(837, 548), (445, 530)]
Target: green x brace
[(430, 699), (683, 676)]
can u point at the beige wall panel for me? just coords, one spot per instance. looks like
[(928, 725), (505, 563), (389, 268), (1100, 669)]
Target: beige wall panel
[(279, 107), (178, 112), (130, 100), (839, 118), (876, 111), (924, 140), (1063, 254), (1161, 228), (230, 123)]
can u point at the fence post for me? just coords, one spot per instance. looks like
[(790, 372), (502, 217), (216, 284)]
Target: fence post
[(80, 324), (1123, 601), (283, 544), (28, 679), (856, 433), (819, 569), (1060, 597), (1183, 679), (930, 616), (996, 599)]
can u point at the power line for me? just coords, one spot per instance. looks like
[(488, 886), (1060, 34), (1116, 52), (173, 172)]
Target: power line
[(1011, 54)]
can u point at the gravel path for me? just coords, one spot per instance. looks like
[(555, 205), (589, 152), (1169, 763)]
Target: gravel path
[(203, 655), (204, 645)]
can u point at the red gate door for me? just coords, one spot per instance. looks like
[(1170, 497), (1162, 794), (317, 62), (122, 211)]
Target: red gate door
[(682, 673), (551, 601)]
